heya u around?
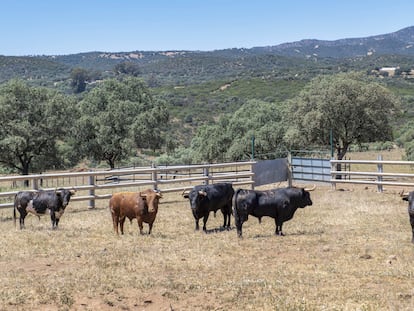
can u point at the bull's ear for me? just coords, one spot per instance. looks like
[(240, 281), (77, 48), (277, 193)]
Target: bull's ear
[(405, 198), (186, 194)]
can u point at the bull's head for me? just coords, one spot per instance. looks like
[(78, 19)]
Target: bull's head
[(65, 194), (151, 197), (195, 196)]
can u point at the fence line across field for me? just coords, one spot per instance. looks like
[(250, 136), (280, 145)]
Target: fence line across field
[(94, 185), (376, 177), (97, 185)]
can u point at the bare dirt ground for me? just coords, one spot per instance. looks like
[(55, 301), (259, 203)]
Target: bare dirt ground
[(351, 250)]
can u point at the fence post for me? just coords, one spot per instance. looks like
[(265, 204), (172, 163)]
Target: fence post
[(154, 176), (206, 173), (333, 177), (380, 170), (252, 177), (289, 170), (92, 191), (35, 184)]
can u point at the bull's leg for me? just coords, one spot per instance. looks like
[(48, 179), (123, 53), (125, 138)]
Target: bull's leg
[(115, 222), (197, 226), (226, 218), (53, 220), (23, 214), (205, 218), (150, 228), (412, 226), (239, 225), (21, 221), (279, 228), (141, 227), (121, 224)]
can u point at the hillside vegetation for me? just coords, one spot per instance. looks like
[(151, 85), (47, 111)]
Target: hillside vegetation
[(200, 88)]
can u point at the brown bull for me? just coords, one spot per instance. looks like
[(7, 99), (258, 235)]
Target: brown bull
[(140, 205)]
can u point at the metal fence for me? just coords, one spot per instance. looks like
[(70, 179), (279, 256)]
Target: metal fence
[(95, 185), (373, 172)]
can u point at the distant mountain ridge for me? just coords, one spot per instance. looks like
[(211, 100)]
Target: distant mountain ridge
[(400, 42), (181, 67)]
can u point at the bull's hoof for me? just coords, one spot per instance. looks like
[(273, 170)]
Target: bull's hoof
[(280, 233)]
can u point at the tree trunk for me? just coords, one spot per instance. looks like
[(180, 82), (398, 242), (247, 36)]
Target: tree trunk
[(341, 151), (25, 171)]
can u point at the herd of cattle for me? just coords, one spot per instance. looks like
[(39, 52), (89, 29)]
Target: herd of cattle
[(279, 204)]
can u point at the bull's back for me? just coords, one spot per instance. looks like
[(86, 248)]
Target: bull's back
[(124, 203), (221, 194)]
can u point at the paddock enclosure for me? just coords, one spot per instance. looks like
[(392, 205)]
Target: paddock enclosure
[(351, 250)]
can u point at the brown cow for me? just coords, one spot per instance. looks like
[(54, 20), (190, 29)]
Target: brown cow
[(140, 205)]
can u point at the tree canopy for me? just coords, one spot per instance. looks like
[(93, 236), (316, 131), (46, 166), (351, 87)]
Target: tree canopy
[(32, 121), (116, 118), (354, 110), (231, 137)]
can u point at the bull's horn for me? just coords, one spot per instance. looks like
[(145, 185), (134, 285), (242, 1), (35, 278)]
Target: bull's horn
[(185, 192), (403, 194), (311, 189)]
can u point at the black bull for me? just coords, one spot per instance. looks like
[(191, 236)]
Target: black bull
[(280, 204), (39, 202), (410, 199), (207, 198)]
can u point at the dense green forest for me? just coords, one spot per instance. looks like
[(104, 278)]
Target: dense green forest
[(136, 108)]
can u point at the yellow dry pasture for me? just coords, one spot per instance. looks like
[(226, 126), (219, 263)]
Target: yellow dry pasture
[(351, 250)]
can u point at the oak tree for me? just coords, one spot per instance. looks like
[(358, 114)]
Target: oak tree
[(346, 107)]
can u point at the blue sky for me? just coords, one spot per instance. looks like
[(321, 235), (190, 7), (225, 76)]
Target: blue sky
[(56, 27)]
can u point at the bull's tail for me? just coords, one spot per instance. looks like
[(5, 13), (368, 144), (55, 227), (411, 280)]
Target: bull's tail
[(236, 214), (234, 202), (235, 207), (14, 215)]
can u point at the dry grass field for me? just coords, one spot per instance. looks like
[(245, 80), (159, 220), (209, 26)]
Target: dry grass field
[(351, 250)]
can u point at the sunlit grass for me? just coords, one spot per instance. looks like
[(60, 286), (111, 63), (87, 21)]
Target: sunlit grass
[(351, 250)]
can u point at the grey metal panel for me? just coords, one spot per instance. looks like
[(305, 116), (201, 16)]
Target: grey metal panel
[(313, 169), (270, 171)]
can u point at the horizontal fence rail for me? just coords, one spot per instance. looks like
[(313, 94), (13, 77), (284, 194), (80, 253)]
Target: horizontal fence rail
[(372, 173), (96, 185)]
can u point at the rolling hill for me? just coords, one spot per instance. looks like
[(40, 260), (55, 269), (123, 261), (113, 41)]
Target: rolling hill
[(185, 67)]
